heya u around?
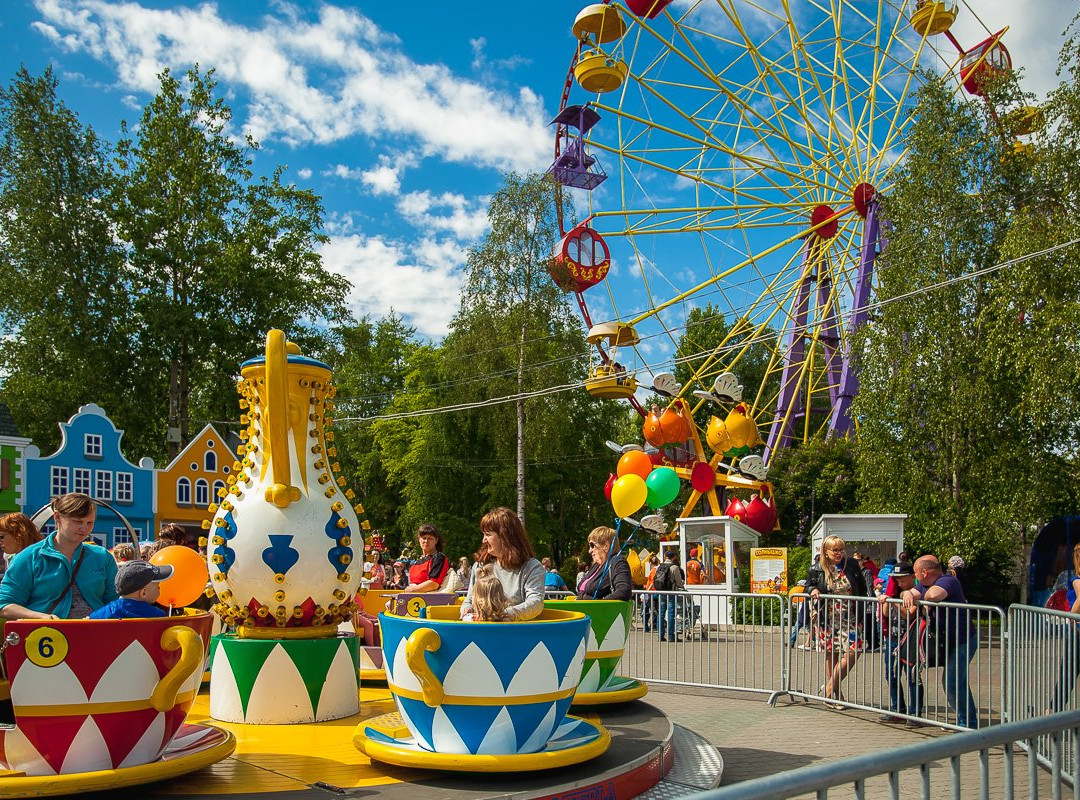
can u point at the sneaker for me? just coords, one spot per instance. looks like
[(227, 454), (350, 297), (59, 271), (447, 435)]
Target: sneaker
[(804, 647), (892, 719)]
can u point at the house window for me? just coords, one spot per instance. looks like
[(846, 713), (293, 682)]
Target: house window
[(124, 481), (210, 461), (183, 492), (120, 535), (104, 485), (202, 493), (80, 480), (219, 487), (92, 445), (58, 481)]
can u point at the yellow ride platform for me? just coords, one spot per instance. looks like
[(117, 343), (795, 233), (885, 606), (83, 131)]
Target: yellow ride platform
[(930, 18), (619, 690)]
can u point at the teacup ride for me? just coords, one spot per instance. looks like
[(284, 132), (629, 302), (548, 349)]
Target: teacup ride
[(608, 631), (102, 704), (482, 696)]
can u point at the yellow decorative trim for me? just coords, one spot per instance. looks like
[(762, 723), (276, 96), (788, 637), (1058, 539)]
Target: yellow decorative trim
[(308, 632), (85, 709), (524, 762), (502, 700), (605, 653), (630, 693), (190, 645)]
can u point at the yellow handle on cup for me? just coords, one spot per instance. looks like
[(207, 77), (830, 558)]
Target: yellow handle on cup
[(191, 654), (421, 641)]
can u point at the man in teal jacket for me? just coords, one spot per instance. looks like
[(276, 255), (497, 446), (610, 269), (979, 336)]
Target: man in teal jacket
[(63, 575)]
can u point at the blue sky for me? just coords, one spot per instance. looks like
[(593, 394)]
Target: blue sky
[(403, 115)]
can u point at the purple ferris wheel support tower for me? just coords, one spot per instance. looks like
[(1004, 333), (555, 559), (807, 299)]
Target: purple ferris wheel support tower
[(840, 423)]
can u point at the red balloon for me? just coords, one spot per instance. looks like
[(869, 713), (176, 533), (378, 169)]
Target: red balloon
[(608, 485), (761, 515), (702, 477), (736, 510)]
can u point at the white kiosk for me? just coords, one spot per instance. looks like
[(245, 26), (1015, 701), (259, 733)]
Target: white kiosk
[(878, 536), (723, 547)]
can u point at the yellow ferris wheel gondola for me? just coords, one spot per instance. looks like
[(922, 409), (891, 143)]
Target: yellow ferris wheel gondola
[(931, 17), (609, 379)]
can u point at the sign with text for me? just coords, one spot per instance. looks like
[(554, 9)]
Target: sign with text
[(768, 570)]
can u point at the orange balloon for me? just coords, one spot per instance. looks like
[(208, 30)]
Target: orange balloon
[(635, 463), (189, 576)]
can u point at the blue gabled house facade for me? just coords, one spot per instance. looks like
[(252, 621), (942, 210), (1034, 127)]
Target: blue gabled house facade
[(90, 460)]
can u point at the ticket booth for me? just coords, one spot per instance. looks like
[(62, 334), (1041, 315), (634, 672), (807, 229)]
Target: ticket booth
[(722, 546), (879, 536)]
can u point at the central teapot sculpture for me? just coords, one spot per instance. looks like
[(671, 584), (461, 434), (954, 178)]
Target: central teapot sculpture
[(280, 545)]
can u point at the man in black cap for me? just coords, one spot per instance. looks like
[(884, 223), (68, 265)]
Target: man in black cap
[(901, 647), (138, 584)]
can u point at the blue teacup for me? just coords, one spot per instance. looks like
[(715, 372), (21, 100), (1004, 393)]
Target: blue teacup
[(495, 688)]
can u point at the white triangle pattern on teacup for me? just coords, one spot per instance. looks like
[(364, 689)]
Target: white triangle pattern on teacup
[(398, 672), (573, 669), (590, 681), (444, 736), (278, 696), (473, 675), (88, 751), (614, 639), (536, 675), (127, 677), (34, 686), (225, 702), (149, 746), (540, 736), (501, 737), (20, 752)]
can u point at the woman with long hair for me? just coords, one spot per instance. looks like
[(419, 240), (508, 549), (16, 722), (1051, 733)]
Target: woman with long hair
[(65, 575), (376, 571), (506, 547), (839, 621), (17, 532)]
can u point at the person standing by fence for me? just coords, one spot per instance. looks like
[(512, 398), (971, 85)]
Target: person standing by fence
[(1070, 658), (668, 578), (840, 628), (902, 654), (953, 626)]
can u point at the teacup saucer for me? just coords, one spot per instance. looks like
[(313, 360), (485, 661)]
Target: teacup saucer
[(195, 747), (618, 690), (386, 739), (369, 675)]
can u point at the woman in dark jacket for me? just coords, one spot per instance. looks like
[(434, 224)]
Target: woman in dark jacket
[(609, 576), (840, 621)]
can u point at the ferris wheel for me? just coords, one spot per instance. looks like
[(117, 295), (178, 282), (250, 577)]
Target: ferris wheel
[(733, 152)]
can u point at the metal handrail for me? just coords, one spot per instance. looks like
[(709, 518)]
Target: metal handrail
[(820, 778)]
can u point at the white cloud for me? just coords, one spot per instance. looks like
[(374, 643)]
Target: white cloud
[(382, 178), (318, 80), (420, 282), (466, 219), (304, 173)]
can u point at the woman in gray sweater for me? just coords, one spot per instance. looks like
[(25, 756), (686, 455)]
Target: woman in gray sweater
[(507, 548)]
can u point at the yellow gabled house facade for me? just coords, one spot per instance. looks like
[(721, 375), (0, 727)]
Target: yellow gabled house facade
[(190, 483)]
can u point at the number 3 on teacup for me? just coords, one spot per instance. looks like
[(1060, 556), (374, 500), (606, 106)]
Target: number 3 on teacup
[(46, 647)]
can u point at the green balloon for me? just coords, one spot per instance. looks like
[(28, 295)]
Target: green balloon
[(663, 486)]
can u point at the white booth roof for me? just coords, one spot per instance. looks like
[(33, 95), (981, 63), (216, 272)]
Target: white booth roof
[(884, 533)]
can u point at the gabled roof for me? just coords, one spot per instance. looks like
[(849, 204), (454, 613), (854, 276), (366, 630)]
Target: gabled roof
[(7, 423), (196, 442)]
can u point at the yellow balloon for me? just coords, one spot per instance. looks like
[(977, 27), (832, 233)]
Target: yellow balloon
[(628, 494)]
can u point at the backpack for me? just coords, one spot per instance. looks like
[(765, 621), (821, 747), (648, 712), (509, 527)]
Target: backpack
[(662, 580)]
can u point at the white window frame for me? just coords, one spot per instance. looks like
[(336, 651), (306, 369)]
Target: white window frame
[(202, 492), (58, 481), (82, 480), (125, 487), (92, 445), (103, 485), (183, 492)]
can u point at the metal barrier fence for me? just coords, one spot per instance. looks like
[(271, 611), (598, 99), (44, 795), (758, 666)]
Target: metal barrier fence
[(877, 656), (996, 768), (1044, 663), (726, 641)]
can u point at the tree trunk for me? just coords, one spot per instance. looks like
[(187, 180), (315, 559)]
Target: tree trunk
[(521, 426)]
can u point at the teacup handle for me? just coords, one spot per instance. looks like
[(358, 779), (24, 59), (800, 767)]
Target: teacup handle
[(421, 641), (191, 653)]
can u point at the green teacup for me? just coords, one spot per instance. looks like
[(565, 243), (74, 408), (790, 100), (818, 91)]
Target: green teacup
[(608, 630)]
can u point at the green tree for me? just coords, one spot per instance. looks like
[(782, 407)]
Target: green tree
[(815, 478), (217, 256), (65, 307)]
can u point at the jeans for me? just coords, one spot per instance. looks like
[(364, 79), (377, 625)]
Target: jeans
[(954, 680), (648, 611), (894, 673), (800, 623), (666, 620), (1070, 669)]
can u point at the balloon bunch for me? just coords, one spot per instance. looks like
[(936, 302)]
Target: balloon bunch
[(637, 483)]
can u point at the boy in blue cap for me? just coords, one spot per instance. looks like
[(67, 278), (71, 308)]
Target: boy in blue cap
[(138, 584)]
